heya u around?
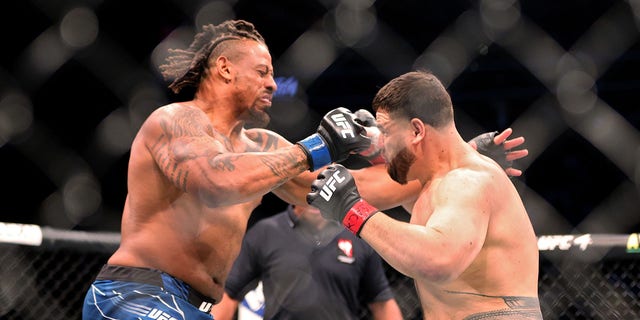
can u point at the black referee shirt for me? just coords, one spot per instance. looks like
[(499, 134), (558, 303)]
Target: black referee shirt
[(307, 275)]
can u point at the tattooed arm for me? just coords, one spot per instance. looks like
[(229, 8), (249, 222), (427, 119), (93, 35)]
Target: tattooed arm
[(295, 190), (200, 161)]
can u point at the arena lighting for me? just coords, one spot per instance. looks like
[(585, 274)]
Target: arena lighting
[(287, 86)]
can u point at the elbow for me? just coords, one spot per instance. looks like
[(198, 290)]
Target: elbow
[(441, 270)]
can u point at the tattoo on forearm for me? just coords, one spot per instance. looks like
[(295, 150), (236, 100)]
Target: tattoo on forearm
[(277, 163)]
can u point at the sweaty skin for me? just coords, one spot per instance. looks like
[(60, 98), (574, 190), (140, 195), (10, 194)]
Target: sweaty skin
[(469, 246)]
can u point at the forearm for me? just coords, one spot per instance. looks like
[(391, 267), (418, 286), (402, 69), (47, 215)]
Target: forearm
[(375, 186), (232, 178), (295, 190)]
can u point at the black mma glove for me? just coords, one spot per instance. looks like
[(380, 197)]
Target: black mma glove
[(337, 136), (334, 192), (487, 147), (373, 154), (365, 118)]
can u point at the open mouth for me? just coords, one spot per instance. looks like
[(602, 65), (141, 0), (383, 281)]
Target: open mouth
[(266, 100)]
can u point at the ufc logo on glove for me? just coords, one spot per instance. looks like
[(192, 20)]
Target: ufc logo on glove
[(329, 187), (341, 200), (338, 135), (340, 121)]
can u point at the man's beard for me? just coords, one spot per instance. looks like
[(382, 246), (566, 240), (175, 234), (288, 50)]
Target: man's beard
[(399, 166), (257, 119)]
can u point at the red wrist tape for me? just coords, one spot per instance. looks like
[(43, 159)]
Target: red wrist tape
[(358, 215)]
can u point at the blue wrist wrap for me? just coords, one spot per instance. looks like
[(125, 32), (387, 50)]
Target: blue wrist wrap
[(318, 151)]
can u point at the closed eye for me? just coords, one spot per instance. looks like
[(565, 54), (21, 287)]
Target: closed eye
[(265, 72)]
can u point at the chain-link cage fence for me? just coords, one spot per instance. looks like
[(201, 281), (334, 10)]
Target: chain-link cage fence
[(588, 277), (39, 283), (605, 289), (45, 272)]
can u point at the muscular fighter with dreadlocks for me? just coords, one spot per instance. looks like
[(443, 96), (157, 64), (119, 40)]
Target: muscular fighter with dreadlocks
[(196, 173)]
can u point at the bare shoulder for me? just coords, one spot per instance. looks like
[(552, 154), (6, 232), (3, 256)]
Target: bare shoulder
[(472, 182), (183, 131), (266, 140), (179, 119), (465, 177)]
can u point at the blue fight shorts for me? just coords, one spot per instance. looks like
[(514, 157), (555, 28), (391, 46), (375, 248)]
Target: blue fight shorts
[(139, 293)]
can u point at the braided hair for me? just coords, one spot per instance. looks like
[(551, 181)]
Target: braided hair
[(187, 67)]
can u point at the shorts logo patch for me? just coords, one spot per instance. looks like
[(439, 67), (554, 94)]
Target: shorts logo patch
[(159, 315)]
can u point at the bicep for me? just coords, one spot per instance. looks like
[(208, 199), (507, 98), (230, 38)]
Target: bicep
[(461, 213), (178, 140)]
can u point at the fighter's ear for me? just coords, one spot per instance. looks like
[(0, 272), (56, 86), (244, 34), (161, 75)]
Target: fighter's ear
[(419, 129), (223, 68)]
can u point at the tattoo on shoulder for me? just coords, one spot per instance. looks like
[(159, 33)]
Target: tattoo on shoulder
[(185, 123), (161, 151)]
